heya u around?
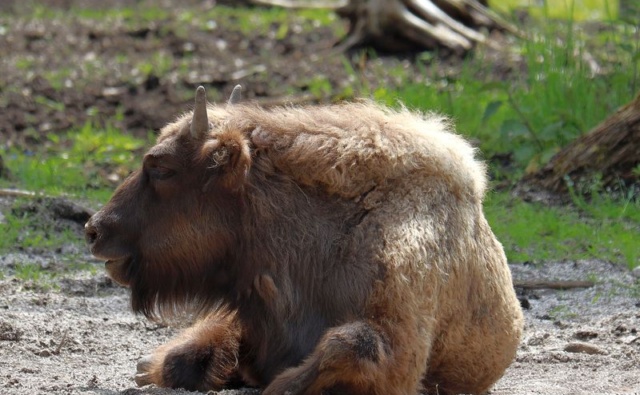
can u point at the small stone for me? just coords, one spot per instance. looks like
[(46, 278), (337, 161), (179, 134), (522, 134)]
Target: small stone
[(620, 330), (636, 272), (584, 348), (538, 340), (45, 353), (585, 335), (113, 91)]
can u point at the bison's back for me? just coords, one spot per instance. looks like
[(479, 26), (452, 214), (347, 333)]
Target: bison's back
[(348, 149)]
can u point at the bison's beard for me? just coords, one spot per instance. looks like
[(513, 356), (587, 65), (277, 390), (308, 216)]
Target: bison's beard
[(162, 289)]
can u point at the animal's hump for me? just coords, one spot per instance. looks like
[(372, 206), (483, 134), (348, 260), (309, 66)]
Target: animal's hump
[(350, 148)]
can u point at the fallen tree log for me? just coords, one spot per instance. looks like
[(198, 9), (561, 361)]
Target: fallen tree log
[(609, 154)]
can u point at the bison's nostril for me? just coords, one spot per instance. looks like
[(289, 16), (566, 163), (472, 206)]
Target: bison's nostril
[(90, 233)]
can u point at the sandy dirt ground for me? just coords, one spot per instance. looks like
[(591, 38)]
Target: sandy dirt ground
[(79, 336)]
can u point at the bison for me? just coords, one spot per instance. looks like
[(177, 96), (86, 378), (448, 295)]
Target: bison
[(337, 249)]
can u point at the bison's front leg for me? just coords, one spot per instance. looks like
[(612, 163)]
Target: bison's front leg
[(356, 359), (203, 357)]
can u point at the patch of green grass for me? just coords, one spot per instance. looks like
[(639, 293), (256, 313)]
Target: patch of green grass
[(77, 163), (579, 10), (561, 312), (606, 228), (161, 63), (319, 86), (46, 102), (145, 14), (130, 14), (29, 272), (10, 230), (24, 63), (252, 20), (25, 228), (47, 277)]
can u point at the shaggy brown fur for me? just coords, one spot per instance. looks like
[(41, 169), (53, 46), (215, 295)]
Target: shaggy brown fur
[(330, 250)]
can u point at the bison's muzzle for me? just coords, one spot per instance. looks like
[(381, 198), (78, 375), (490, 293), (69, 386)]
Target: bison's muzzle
[(112, 243)]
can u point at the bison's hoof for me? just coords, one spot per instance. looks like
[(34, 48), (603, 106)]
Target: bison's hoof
[(143, 379), (142, 371)]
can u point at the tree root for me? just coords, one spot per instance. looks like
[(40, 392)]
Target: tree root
[(404, 25)]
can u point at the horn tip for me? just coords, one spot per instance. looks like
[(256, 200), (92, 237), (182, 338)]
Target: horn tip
[(235, 94), (200, 93)]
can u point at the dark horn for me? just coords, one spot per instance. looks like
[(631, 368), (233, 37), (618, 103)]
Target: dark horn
[(200, 122), (235, 94)]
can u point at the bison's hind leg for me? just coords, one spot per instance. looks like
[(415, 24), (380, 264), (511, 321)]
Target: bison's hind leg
[(350, 359), (204, 357)]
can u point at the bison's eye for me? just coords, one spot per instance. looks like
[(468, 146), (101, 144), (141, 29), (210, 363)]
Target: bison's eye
[(160, 172), (159, 167)]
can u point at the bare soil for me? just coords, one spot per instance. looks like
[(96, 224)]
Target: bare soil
[(70, 330)]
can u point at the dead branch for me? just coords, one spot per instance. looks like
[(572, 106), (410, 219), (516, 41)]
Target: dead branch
[(62, 341), (544, 284), (17, 193)]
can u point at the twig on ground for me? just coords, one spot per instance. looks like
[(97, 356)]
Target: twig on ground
[(17, 193), (543, 284), (62, 341)]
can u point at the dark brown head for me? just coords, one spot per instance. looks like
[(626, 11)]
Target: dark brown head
[(170, 228)]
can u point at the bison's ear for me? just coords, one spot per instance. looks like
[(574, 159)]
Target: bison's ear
[(228, 155)]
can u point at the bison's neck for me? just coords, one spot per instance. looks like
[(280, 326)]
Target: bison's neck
[(293, 260)]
